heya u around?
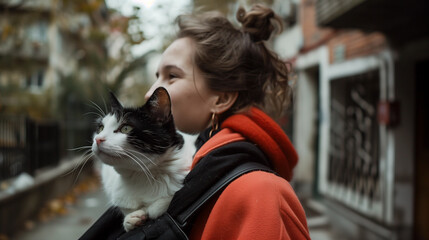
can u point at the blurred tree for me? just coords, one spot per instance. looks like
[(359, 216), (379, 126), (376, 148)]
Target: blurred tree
[(87, 51), (30, 103), (226, 6), (59, 59)]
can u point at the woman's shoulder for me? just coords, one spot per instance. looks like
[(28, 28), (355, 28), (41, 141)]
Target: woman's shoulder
[(260, 183), (267, 192), (262, 197)]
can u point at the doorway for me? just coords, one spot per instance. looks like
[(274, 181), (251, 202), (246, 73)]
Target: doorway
[(306, 131), (421, 210)]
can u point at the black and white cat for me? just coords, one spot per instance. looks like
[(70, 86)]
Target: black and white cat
[(144, 157)]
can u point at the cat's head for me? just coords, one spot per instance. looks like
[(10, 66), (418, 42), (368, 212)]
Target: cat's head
[(134, 138)]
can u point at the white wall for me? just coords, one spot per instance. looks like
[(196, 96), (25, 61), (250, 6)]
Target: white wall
[(306, 115), (305, 125)]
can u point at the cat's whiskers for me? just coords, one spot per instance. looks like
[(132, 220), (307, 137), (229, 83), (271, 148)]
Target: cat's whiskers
[(105, 106), (89, 155), (144, 168), (85, 157), (143, 155), (139, 161), (98, 108), (95, 113), (120, 152), (80, 148)]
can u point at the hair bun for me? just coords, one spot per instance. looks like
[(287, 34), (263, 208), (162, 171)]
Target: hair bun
[(257, 22)]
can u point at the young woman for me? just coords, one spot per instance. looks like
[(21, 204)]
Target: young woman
[(219, 78)]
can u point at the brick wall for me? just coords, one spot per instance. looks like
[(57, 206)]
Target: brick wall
[(355, 44), (342, 44), (313, 35)]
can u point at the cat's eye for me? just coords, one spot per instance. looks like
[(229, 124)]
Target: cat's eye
[(100, 129), (126, 129)]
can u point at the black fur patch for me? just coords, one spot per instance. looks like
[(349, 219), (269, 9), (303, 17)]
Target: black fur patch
[(153, 124)]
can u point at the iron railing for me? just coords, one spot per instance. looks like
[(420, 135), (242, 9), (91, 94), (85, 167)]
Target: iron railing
[(27, 145)]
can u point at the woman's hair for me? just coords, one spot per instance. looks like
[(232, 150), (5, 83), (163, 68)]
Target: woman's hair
[(236, 60)]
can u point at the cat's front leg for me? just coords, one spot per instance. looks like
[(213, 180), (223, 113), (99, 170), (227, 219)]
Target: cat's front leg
[(159, 207), (135, 219), (139, 217)]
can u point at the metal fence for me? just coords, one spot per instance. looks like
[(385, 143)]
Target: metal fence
[(27, 145)]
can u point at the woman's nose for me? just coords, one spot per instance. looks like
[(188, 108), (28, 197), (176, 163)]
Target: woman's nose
[(149, 93)]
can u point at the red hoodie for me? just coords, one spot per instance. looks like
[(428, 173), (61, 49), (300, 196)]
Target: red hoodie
[(257, 205)]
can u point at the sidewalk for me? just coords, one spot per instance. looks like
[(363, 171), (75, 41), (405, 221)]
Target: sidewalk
[(71, 226), (19, 206), (91, 205), (318, 223)]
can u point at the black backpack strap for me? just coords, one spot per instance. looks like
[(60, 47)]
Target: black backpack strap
[(162, 228), (107, 227), (182, 218), (166, 227)]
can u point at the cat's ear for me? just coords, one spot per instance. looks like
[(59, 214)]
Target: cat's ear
[(115, 105), (159, 105)]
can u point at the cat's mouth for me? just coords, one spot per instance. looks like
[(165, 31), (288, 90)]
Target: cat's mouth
[(103, 154)]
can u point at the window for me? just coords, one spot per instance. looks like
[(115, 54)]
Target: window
[(34, 80)]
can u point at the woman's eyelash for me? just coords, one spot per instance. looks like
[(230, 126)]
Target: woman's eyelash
[(170, 75)]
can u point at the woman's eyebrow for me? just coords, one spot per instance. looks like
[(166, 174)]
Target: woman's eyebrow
[(170, 67)]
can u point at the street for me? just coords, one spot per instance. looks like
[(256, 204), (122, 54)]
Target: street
[(90, 206), (80, 217)]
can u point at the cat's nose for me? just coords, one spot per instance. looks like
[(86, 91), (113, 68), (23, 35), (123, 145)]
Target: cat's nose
[(99, 140)]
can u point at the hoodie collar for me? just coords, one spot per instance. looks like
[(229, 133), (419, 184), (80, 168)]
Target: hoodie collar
[(259, 128)]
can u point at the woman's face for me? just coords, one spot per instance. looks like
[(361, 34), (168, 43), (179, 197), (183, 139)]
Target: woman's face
[(191, 100)]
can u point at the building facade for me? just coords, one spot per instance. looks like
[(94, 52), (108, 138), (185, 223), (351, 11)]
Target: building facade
[(44, 42), (359, 114)]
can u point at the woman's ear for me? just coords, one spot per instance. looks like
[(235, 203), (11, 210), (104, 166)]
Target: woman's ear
[(224, 101)]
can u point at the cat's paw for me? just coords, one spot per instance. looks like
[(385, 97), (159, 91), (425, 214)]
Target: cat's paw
[(134, 219)]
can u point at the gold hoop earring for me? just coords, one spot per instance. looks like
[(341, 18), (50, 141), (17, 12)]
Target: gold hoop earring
[(215, 124)]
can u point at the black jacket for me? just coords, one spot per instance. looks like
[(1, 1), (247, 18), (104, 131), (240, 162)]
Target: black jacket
[(204, 175)]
